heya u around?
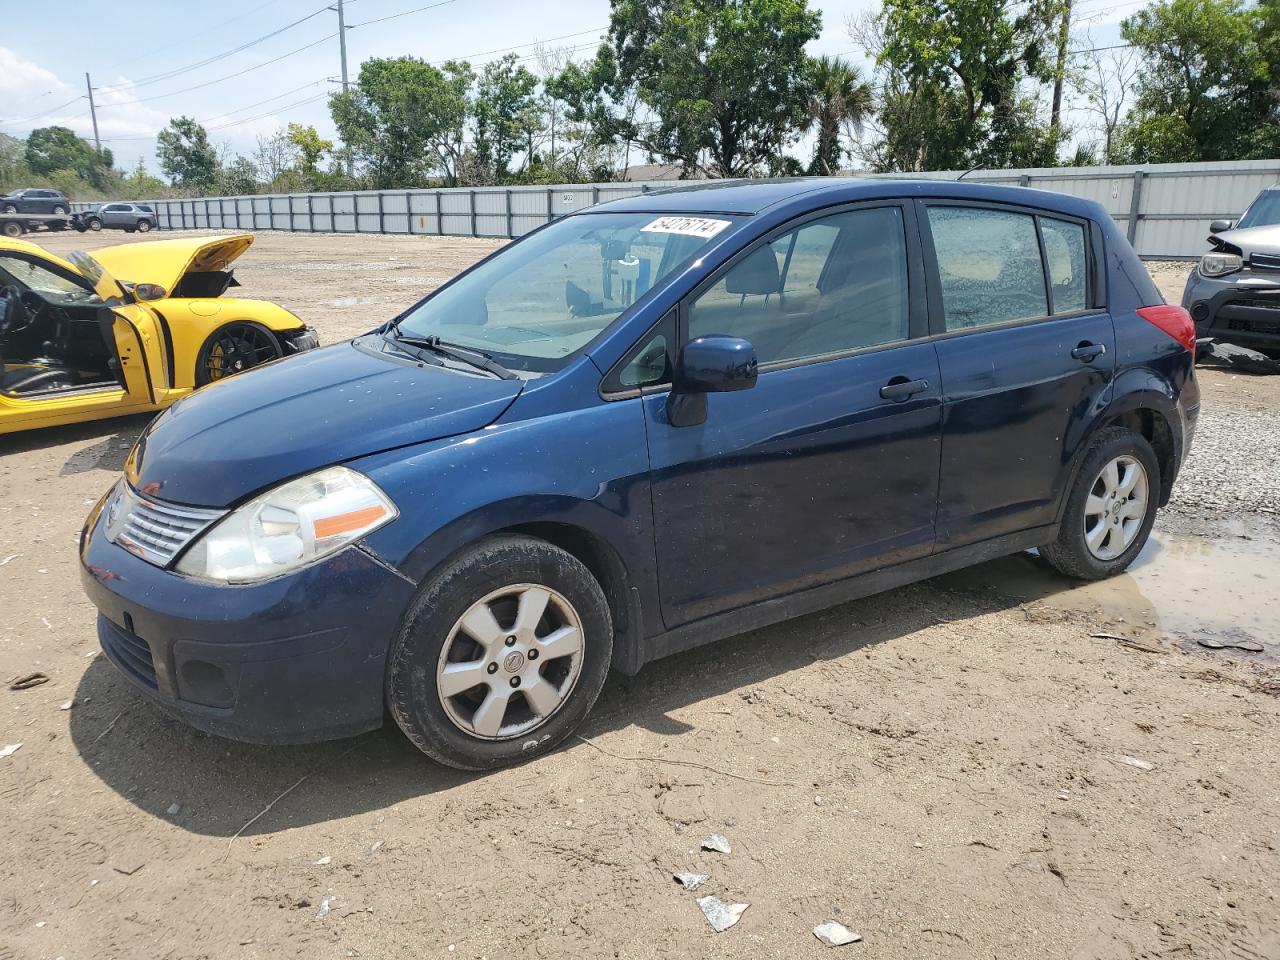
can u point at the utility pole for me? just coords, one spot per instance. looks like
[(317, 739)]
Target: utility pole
[(93, 112), (342, 49)]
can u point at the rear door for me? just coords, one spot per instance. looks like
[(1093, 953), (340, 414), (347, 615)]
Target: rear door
[(826, 468), (1027, 355)]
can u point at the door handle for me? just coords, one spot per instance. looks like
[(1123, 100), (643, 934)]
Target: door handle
[(1088, 351), (899, 388)]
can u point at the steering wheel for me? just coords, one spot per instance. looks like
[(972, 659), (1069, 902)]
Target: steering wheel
[(14, 314)]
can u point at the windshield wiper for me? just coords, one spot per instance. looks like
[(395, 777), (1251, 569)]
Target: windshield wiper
[(467, 355)]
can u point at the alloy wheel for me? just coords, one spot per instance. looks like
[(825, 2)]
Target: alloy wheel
[(237, 347), (1116, 507), (510, 662)]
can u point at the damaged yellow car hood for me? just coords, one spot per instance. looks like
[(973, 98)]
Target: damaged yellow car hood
[(164, 262)]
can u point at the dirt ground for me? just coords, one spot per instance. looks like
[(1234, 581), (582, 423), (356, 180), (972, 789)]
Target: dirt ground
[(947, 768)]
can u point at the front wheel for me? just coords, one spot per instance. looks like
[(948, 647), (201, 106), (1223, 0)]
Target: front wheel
[(1110, 510), (235, 348), (10, 208), (501, 656), (94, 224)]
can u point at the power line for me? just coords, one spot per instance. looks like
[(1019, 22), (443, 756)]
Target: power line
[(170, 74), (250, 106), (521, 46), (37, 116), (234, 123), (394, 16)]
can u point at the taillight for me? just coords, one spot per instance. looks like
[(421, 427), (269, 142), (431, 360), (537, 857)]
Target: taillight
[(1174, 321)]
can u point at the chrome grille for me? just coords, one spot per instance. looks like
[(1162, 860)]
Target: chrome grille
[(154, 531), (1268, 261)]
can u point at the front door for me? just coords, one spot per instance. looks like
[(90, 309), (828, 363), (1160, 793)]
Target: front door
[(1027, 363), (828, 466)]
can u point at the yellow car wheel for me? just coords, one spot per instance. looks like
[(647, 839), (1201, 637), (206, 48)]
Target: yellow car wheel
[(234, 348)]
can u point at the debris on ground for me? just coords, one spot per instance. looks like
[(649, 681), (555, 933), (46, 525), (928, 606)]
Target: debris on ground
[(835, 934), (27, 681), (1213, 643), (1133, 762), (12, 556), (323, 861), (324, 907), (375, 846), (717, 842), (68, 705), (174, 809), (128, 868), (1211, 353), (719, 914), (691, 881), (9, 750)]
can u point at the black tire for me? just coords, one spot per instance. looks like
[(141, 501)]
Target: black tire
[(144, 226), (59, 211), (13, 229), (1069, 554), (56, 225), (10, 208), (94, 224), (241, 341), (489, 566)]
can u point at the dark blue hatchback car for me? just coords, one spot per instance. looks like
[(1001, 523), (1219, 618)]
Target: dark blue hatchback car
[(643, 427)]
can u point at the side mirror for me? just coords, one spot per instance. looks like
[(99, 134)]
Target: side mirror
[(1219, 225), (709, 365)]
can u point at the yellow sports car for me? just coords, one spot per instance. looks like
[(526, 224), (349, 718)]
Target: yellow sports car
[(129, 329)]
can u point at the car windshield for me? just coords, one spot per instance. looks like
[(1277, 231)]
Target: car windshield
[(32, 275), (1264, 211), (539, 300)]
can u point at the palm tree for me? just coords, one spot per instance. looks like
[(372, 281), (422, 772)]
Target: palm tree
[(839, 100)]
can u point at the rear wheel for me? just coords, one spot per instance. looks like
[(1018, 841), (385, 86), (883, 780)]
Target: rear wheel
[(144, 226), (501, 656), (235, 348), (59, 211), (13, 229), (1110, 510)]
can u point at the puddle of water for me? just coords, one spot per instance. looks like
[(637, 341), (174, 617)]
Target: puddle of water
[(1180, 587)]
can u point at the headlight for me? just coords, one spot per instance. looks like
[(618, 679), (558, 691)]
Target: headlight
[(295, 524), (1220, 264)]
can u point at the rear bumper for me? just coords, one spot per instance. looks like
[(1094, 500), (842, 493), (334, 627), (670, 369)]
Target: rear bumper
[(296, 659)]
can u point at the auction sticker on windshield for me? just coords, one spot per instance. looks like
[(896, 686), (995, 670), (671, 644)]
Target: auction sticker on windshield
[(704, 227)]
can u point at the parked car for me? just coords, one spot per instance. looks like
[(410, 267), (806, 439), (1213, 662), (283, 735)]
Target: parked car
[(640, 428), (1233, 294), (35, 201), (129, 217), (129, 329)]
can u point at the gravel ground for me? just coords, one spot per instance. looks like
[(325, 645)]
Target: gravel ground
[(946, 768)]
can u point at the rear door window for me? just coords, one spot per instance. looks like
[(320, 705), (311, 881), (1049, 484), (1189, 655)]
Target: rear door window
[(1064, 251), (989, 266)]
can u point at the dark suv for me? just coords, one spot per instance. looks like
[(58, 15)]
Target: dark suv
[(640, 428), (35, 201)]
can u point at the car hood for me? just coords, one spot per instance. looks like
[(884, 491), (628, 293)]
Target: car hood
[(1250, 240), (163, 262), (235, 437)]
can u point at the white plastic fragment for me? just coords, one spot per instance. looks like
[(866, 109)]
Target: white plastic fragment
[(717, 842), (324, 907), (9, 750), (691, 881), (1136, 762), (375, 846), (835, 934), (719, 914), (68, 705), (323, 860), (174, 809)]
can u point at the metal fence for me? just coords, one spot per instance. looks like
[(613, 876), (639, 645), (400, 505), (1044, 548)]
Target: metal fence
[(1164, 208)]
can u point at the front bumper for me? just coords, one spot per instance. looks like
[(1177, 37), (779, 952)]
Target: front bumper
[(1241, 308), (304, 339), (296, 659)]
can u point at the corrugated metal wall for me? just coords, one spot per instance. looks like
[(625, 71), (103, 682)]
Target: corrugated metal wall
[(1164, 208)]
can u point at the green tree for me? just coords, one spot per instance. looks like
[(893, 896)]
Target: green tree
[(237, 178), (310, 147), (953, 81), (724, 79), (839, 101), (602, 120), (185, 155), (141, 184), (51, 149), (1209, 83), (405, 119), (508, 116)]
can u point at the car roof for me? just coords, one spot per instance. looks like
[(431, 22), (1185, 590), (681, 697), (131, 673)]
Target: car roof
[(749, 197)]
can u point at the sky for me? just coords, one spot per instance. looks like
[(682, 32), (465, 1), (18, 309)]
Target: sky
[(151, 60)]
